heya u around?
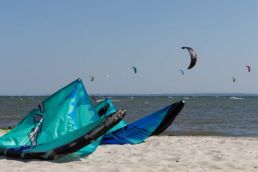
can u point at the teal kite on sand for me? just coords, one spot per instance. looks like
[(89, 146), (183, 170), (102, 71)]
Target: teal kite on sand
[(64, 123), (67, 122)]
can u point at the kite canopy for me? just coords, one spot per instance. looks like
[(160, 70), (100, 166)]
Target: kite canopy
[(134, 69), (106, 108), (248, 68), (193, 56), (141, 129), (182, 71), (64, 123), (92, 78)]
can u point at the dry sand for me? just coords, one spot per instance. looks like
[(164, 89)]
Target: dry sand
[(164, 153)]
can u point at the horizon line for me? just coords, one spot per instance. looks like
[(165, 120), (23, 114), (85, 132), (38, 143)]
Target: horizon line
[(143, 94)]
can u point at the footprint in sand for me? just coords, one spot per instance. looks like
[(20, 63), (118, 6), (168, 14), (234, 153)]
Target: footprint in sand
[(203, 163), (217, 158), (221, 142), (231, 166), (215, 167)]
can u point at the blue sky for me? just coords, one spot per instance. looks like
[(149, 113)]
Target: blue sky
[(47, 44)]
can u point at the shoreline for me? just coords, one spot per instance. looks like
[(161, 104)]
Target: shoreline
[(179, 134)]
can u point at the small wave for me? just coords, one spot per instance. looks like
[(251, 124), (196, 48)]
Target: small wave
[(236, 98), (116, 100), (100, 100), (113, 100)]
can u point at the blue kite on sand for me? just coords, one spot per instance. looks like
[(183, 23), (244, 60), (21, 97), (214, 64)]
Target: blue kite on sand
[(136, 132)]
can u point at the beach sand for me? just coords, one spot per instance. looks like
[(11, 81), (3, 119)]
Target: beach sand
[(160, 153)]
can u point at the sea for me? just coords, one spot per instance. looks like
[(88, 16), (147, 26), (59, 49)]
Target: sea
[(235, 116)]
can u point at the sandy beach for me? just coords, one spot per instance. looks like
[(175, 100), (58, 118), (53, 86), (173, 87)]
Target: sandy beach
[(162, 153)]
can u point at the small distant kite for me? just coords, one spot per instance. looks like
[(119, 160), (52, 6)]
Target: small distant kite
[(182, 71), (234, 79), (248, 68), (92, 78), (134, 69), (193, 56)]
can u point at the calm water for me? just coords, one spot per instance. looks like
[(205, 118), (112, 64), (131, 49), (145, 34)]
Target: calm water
[(223, 116)]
